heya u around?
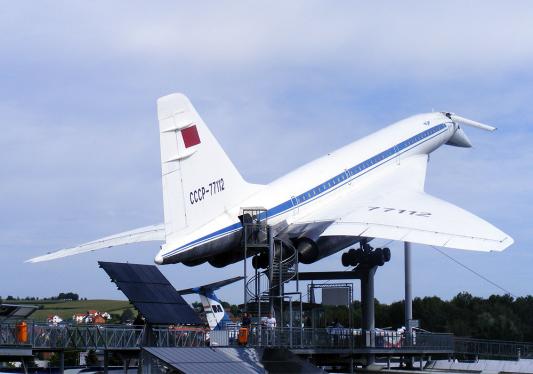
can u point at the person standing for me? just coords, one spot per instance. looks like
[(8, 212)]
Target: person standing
[(271, 325), (246, 321), (271, 322), (244, 331)]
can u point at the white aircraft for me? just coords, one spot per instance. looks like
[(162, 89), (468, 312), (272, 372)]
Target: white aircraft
[(216, 316), (372, 188)]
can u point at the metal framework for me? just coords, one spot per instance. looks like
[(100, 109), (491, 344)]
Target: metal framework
[(268, 285), (481, 348), (256, 241), (44, 337), (310, 296)]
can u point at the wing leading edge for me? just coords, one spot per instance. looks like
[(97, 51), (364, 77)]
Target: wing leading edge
[(143, 234), (404, 212)]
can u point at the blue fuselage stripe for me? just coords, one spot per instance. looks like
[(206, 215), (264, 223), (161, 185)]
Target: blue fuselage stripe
[(330, 185)]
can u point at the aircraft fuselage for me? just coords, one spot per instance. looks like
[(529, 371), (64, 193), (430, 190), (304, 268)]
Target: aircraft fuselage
[(304, 192)]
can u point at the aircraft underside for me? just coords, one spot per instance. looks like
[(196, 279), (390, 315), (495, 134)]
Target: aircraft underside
[(227, 250)]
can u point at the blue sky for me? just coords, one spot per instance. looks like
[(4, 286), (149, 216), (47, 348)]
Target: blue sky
[(80, 150)]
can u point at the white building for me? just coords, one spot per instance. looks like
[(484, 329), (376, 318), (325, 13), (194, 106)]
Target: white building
[(54, 319)]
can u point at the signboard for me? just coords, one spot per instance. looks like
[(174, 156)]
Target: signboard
[(336, 296)]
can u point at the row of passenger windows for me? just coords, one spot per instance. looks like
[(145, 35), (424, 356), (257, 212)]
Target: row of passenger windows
[(420, 136), (311, 193), (364, 165)]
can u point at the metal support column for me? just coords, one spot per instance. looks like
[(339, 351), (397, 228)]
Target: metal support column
[(408, 285), (61, 361), (126, 365), (245, 280), (280, 285), (24, 364), (106, 361), (367, 301), (258, 294), (147, 361), (408, 303), (271, 250)]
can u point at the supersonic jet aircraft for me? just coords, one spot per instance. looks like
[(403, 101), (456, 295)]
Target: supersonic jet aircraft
[(372, 188)]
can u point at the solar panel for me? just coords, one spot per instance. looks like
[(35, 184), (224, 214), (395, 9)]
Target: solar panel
[(209, 360), (16, 311), (151, 293)]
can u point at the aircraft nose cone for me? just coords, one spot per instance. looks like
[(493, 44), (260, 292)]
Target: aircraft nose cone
[(459, 139), (159, 259)]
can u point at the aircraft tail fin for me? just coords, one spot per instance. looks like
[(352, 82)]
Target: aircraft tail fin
[(214, 311), (217, 318), (199, 180)]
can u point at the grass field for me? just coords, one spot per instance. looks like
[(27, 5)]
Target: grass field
[(65, 309)]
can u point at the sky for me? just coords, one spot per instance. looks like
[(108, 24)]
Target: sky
[(279, 84)]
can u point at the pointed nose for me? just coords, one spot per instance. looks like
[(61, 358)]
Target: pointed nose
[(459, 139)]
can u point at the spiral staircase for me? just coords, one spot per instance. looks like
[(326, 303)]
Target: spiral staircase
[(275, 263)]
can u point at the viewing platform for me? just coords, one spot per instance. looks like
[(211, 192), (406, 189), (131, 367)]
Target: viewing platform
[(45, 337), (318, 344)]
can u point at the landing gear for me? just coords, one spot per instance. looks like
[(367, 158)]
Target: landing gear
[(366, 255)]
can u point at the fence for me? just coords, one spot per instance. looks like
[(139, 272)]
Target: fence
[(493, 348), (44, 336), (343, 338)]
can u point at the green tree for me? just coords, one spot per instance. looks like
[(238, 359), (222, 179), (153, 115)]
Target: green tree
[(198, 306), (234, 310), (127, 316), (68, 296), (115, 318)]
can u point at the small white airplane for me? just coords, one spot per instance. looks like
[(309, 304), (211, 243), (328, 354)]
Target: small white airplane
[(216, 316), (371, 188)]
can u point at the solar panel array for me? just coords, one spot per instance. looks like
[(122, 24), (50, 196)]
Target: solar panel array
[(208, 360), (11, 311), (151, 293)]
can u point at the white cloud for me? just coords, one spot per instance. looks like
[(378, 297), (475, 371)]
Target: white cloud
[(381, 38), (278, 83)]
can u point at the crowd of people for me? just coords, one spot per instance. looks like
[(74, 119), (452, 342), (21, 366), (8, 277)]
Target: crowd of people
[(268, 322)]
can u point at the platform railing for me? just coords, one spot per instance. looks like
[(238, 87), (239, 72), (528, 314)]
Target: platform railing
[(43, 336), (481, 348), (9, 335), (120, 337), (165, 337), (87, 336), (349, 339)]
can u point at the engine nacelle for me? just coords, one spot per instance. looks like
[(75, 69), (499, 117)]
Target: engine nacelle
[(194, 262), (225, 259), (310, 251), (260, 261)]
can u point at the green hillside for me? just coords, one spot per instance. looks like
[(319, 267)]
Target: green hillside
[(65, 309)]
